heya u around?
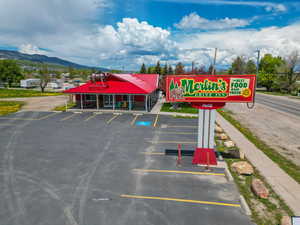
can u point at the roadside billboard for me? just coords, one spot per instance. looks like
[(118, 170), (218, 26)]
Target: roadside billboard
[(210, 88)]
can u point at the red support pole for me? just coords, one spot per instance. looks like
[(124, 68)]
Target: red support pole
[(179, 155)]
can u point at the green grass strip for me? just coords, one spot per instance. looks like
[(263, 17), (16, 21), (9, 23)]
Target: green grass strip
[(19, 93), (7, 107), (288, 166)]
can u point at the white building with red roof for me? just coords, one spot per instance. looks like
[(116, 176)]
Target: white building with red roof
[(117, 92)]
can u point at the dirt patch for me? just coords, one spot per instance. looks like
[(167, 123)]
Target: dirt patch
[(40, 103), (279, 130)]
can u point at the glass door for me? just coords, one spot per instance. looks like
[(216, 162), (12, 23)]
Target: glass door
[(108, 101)]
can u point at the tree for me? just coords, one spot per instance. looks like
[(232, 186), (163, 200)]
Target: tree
[(179, 69), (158, 68), (143, 68), (165, 70), (170, 70), (238, 66), (44, 76), (210, 69), (268, 68), (289, 78), (250, 67), (10, 72)]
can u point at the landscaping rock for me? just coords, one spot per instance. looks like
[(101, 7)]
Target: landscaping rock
[(242, 167), (222, 136), (218, 129), (259, 188), (286, 220), (229, 144)]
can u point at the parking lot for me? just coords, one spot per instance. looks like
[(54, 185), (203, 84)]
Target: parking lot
[(89, 169)]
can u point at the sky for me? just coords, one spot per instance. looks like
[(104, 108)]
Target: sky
[(123, 34)]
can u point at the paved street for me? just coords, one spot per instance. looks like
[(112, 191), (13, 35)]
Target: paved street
[(281, 103), (89, 169)]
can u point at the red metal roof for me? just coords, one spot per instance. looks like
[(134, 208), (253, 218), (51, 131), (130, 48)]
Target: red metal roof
[(120, 84)]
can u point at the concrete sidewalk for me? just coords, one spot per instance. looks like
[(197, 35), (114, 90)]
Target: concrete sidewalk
[(285, 186)]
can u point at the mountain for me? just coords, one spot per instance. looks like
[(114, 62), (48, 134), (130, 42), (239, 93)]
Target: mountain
[(6, 54)]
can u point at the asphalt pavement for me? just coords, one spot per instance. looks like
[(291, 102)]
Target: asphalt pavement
[(89, 169), (279, 103)]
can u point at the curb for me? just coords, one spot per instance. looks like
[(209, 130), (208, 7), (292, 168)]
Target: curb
[(228, 174), (245, 206)]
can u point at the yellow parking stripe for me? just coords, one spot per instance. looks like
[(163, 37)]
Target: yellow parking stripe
[(134, 119), (173, 142), (153, 153), (47, 116), (180, 200), (156, 120), (179, 172), (91, 117), (68, 117), (178, 133), (17, 119), (111, 119), (178, 126)]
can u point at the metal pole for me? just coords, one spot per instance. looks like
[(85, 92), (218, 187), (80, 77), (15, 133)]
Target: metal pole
[(114, 101), (146, 103), (200, 128), (214, 64), (81, 104)]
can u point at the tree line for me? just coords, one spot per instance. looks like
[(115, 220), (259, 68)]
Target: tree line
[(275, 73)]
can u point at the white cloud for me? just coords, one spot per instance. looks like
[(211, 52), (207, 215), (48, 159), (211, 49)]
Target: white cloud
[(31, 49), (268, 6), (275, 40), (194, 21)]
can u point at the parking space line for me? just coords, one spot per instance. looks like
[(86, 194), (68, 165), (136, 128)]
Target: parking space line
[(180, 200), (47, 116), (173, 142), (17, 119), (178, 172), (178, 133), (111, 119), (178, 126), (153, 153), (68, 117), (91, 117), (134, 119), (156, 120), (6, 124)]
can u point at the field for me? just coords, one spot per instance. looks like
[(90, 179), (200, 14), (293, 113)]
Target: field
[(17, 93)]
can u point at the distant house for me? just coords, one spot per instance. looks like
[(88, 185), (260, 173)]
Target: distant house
[(30, 83), (117, 91)]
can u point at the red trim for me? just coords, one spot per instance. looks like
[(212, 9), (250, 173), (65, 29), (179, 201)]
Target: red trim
[(204, 156)]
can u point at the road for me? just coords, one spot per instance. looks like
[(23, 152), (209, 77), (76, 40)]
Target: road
[(280, 103)]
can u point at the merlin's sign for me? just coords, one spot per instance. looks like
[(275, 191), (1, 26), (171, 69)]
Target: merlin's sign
[(210, 88)]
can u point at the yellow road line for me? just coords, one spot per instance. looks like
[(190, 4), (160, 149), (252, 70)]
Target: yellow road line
[(91, 117), (47, 116), (179, 171), (174, 126), (134, 119), (156, 120), (178, 133), (18, 119), (68, 117), (180, 200), (153, 153), (111, 119), (173, 142), (6, 124)]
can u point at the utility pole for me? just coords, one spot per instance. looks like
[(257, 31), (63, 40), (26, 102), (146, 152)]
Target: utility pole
[(257, 62), (193, 66), (214, 64)]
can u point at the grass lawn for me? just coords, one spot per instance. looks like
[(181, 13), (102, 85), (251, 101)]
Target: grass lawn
[(16, 93), (182, 108), (7, 107), (63, 107), (277, 94), (288, 166)]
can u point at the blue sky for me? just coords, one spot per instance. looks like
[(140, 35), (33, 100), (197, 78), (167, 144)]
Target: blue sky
[(126, 33)]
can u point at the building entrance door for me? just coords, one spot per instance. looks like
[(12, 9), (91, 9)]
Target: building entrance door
[(107, 100)]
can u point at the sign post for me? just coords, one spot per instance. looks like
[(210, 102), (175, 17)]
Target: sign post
[(208, 93)]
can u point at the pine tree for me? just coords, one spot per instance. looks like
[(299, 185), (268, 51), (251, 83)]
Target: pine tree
[(149, 70), (179, 69), (158, 68), (165, 70), (143, 68), (170, 70)]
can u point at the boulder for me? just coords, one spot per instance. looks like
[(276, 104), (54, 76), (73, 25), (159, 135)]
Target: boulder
[(229, 144), (242, 167), (286, 220), (218, 129), (259, 188), (222, 136)]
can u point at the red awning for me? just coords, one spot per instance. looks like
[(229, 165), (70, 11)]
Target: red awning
[(120, 84)]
